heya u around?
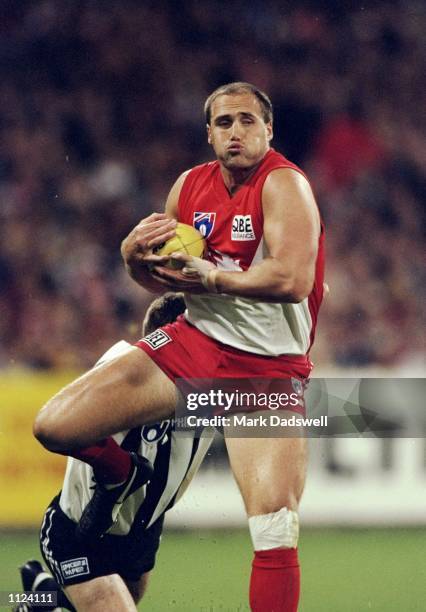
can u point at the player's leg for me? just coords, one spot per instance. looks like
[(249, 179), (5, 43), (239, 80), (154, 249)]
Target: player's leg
[(106, 591), (36, 579), (270, 473), (103, 594), (111, 464), (113, 467), (119, 394), (115, 395)]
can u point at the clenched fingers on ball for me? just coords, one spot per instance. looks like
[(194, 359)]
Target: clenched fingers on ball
[(152, 233)]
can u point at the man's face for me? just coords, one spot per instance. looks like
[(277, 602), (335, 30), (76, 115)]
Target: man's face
[(237, 132)]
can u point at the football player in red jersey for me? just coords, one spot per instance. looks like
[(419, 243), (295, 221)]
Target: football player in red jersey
[(252, 308)]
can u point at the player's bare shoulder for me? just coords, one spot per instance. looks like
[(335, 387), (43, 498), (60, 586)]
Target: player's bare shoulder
[(288, 193), (288, 184)]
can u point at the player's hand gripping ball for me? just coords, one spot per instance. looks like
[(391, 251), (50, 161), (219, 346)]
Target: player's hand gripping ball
[(187, 240)]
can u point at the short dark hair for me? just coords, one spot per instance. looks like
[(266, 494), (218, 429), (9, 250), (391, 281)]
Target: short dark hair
[(163, 310), (238, 87)]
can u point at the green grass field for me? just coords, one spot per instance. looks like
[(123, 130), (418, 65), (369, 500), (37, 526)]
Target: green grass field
[(343, 570)]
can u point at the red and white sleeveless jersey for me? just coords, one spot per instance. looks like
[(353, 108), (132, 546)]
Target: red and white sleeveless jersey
[(233, 228)]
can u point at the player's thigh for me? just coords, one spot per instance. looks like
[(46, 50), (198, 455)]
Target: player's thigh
[(137, 588), (270, 472), (104, 594), (123, 393)]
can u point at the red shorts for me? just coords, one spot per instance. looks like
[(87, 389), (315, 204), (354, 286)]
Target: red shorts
[(182, 351)]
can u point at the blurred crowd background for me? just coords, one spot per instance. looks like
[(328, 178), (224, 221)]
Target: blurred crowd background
[(101, 109)]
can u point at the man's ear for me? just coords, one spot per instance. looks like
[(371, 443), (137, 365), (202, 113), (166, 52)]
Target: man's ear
[(270, 130), (209, 135)]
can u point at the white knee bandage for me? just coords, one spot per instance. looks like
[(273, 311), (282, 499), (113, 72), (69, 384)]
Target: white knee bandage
[(274, 530)]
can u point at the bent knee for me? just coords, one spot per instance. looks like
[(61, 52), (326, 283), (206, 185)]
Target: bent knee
[(103, 594), (48, 431), (272, 501)]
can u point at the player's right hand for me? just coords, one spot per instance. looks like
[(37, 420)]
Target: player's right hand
[(148, 233)]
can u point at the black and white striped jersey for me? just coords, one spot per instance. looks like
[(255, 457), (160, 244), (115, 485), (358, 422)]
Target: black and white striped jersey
[(175, 458)]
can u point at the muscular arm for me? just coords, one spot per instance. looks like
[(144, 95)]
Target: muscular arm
[(150, 232), (291, 230)]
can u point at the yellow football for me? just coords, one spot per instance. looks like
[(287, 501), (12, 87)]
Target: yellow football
[(187, 240)]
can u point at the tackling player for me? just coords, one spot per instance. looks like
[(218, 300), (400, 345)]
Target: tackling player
[(112, 572), (251, 312)]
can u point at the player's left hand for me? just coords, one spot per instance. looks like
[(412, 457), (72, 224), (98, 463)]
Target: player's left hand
[(193, 277)]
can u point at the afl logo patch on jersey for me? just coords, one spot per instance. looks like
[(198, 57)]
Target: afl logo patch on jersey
[(157, 339), (242, 228), (204, 222)]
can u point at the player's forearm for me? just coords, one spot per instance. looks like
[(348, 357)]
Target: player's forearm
[(268, 281), (140, 274)]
